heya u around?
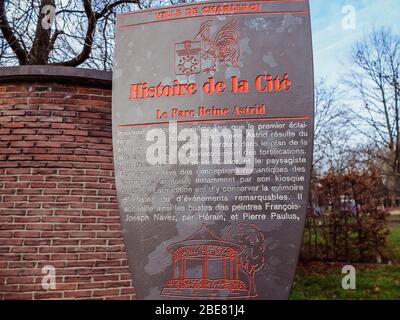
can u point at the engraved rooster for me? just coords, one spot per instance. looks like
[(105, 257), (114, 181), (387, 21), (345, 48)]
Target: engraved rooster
[(223, 48)]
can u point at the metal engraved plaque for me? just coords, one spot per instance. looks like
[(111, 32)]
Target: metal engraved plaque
[(212, 135)]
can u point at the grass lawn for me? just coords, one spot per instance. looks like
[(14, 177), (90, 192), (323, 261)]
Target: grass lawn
[(321, 281), (324, 281), (393, 240)]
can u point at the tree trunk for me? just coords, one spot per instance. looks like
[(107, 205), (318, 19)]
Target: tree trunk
[(40, 51), (252, 283)]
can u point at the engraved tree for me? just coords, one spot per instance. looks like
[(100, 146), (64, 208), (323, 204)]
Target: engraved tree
[(251, 259)]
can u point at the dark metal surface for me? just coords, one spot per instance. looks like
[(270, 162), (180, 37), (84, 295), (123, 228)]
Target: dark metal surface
[(220, 257)]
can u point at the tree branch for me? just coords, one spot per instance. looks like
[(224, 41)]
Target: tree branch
[(10, 37), (109, 7), (88, 41)]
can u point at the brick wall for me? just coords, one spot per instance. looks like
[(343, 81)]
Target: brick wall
[(57, 195)]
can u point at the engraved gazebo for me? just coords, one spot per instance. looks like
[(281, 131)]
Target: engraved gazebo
[(217, 264)]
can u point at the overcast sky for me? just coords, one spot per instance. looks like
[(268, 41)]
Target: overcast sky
[(332, 43)]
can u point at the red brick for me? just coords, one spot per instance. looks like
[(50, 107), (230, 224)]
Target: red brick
[(42, 199), (23, 280), (46, 157), (50, 131), (87, 165), (60, 151), (48, 144), (24, 249), (80, 264), (8, 164), (37, 125), (76, 132), (85, 152), (11, 242), (91, 285), (95, 199), (37, 242), (95, 227), (30, 287), (24, 131), (29, 205), (34, 151), (26, 234), (106, 192), (68, 226), (31, 178), (121, 297), (62, 138), (108, 277), (51, 119), (55, 219), (18, 171), (64, 256), (117, 284), (48, 295), (99, 173), (40, 212), (5, 131), (5, 234), (85, 179), (57, 191), (10, 138), (54, 234), (21, 157), (37, 138), (92, 256), (7, 205), (5, 151), (108, 206), (78, 294), (63, 242), (15, 198), (18, 296), (12, 125), (25, 119), (11, 226), (70, 185), (106, 292), (72, 158), (43, 113), (63, 126), (82, 234), (52, 249), (83, 205), (80, 249), (73, 145), (45, 185), (127, 291), (39, 226), (44, 171), (27, 219), (67, 212), (98, 185), (5, 119), (77, 279)]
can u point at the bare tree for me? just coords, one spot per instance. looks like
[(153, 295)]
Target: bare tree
[(331, 128), (81, 33), (375, 77)]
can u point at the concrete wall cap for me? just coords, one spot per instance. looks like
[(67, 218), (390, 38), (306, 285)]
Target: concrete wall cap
[(46, 73)]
